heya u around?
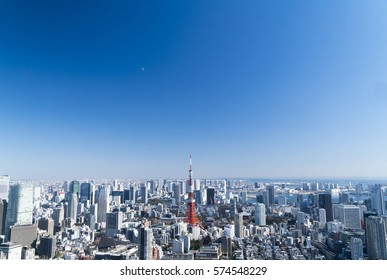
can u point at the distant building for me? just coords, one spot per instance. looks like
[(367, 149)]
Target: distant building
[(4, 186), (349, 215), (260, 214), (325, 202), (210, 196), (238, 221), (20, 205), (3, 215), (103, 204), (113, 223)]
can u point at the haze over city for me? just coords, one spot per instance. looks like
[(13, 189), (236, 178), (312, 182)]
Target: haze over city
[(251, 89)]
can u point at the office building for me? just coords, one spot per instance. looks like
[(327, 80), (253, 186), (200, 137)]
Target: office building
[(4, 186), (376, 238), (3, 215), (145, 238), (349, 216), (47, 247), (356, 245), (46, 224), (325, 202), (260, 214), (210, 196), (113, 223), (20, 205), (238, 221), (10, 251), (103, 204)]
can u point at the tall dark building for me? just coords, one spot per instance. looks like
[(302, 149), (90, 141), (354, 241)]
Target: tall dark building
[(270, 194), (145, 237), (47, 247), (325, 201), (3, 215), (85, 191), (210, 196), (47, 225), (74, 187)]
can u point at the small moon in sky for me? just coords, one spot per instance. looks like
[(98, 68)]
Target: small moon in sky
[(142, 68)]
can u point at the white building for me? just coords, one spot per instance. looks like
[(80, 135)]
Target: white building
[(349, 215)]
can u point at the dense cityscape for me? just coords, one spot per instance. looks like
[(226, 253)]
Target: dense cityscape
[(192, 219)]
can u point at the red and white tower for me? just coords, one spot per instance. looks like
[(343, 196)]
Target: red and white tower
[(192, 217)]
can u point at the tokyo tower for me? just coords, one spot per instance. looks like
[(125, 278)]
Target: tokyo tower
[(192, 217)]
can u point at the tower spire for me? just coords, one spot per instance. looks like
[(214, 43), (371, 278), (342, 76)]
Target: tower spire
[(191, 217)]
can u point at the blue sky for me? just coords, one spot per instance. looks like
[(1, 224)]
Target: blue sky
[(249, 88)]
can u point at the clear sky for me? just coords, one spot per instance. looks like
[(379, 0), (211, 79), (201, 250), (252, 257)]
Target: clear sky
[(118, 89)]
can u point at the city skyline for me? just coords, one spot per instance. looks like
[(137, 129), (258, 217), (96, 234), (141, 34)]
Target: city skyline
[(251, 90)]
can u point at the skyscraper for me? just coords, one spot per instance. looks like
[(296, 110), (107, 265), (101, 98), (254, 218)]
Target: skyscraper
[(176, 193), (322, 216), (349, 215), (20, 205), (74, 187), (210, 196), (376, 238), (325, 201), (103, 204), (260, 214), (72, 209), (3, 215), (113, 223), (144, 194), (238, 221), (4, 186), (270, 194), (145, 238), (377, 200)]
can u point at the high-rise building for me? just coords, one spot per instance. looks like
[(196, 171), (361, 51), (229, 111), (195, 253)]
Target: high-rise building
[(58, 216), (47, 247), (46, 224), (322, 216), (238, 221), (233, 209), (378, 203), (74, 187), (210, 196), (145, 238), (4, 186), (3, 215), (176, 193), (103, 204), (20, 205), (270, 194), (356, 249), (86, 191), (72, 209), (113, 223), (144, 194), (349, 215), (260, 214), (325, 201), (376, 238)]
